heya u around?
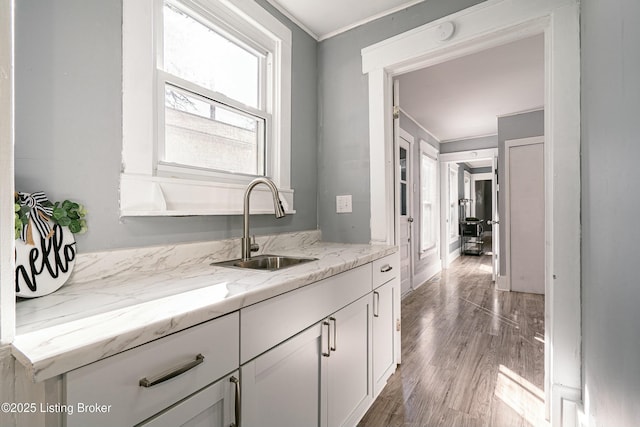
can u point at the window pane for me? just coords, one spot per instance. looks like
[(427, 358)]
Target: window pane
[(428, 193), (203, 133), (403, 199), (195, 52), (403, 164)]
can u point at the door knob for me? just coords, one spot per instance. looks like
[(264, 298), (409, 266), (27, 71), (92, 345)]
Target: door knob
[(490, 222), (410, 219)]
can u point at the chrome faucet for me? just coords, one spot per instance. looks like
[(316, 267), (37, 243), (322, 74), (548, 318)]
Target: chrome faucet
[(247, 246)]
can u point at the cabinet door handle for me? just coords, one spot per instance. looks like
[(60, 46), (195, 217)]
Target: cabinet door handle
[(236, 382), (376, 304), (335, 333), (328, 352), (385, 268), (160, 378)]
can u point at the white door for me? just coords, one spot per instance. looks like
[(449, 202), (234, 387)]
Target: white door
[(405, 218), (404, 190), (525, 214)]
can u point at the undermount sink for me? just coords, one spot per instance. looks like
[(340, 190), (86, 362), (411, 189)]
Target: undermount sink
[(265, 262)]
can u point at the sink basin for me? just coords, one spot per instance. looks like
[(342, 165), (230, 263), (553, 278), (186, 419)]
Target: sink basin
[(265, 262)]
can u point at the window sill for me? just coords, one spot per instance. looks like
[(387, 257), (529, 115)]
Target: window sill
[(142, 195)]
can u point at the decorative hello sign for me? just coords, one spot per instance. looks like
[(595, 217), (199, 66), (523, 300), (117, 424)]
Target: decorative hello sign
[(45, 245), (44, 267)]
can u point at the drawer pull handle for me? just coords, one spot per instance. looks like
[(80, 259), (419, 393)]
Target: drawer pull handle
[(335, 333), (236, 382), (385, 268), (328, 352), (376, 304), (160, 378)]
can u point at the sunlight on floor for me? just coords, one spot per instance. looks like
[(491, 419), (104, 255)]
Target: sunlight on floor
[(485, 268), (522, 396)]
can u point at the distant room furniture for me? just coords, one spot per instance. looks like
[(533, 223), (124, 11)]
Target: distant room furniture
[(471, 236)]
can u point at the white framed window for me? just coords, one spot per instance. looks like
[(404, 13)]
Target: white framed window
[(453, 203), (206, 107), (428, 198)]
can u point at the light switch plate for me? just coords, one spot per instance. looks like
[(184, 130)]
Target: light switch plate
[(343, 204)]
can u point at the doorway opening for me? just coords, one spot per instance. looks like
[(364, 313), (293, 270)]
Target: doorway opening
[(490, 24), (467, 226), (470, 215)]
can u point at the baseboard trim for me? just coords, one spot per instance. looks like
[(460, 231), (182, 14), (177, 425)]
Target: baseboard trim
[(453, 255), (566, 407), (427, 274), (502, 283)]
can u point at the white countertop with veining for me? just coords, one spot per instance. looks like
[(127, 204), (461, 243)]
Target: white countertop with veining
[(121, 299)]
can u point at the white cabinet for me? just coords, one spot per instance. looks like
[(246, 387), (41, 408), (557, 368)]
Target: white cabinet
[(386, 319), (270, 322), (316, 356), (129, 387), (282, 387), (349, 389), (384, 330), (319, 377), (214, 406)]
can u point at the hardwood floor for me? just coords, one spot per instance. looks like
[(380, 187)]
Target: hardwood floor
[(471, 355)]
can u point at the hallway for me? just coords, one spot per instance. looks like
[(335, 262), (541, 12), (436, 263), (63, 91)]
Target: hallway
[(471, 356)]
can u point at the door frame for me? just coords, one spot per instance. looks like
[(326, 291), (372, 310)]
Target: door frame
[(446, 225), (507, 197), (457, 157), (410, 139), (485, 25), (495, 232), (7, 237)]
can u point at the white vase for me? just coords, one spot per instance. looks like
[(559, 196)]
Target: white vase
[(44, 267)]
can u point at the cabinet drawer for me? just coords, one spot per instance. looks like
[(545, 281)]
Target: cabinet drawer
[(114, 383), (268, 323), (213, 406), (385, 269)]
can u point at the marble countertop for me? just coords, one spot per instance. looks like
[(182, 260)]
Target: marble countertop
[(122, 299)]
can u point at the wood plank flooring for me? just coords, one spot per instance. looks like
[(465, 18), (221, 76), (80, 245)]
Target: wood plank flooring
[(471, 355)]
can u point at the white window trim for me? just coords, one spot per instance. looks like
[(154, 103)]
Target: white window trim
[(454, 234), (142, 191), (432, 152)]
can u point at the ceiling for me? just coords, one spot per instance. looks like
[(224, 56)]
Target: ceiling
[(479, 163), (326, 18), (462, 98), (458, 99)]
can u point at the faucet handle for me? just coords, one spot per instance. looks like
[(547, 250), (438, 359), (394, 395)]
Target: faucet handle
[(254, 246)]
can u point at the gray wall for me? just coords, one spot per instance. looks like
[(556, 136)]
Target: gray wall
[(469, 144), (343, 127), (610, 98), (420, 266), (69, 125), (514, 127)]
